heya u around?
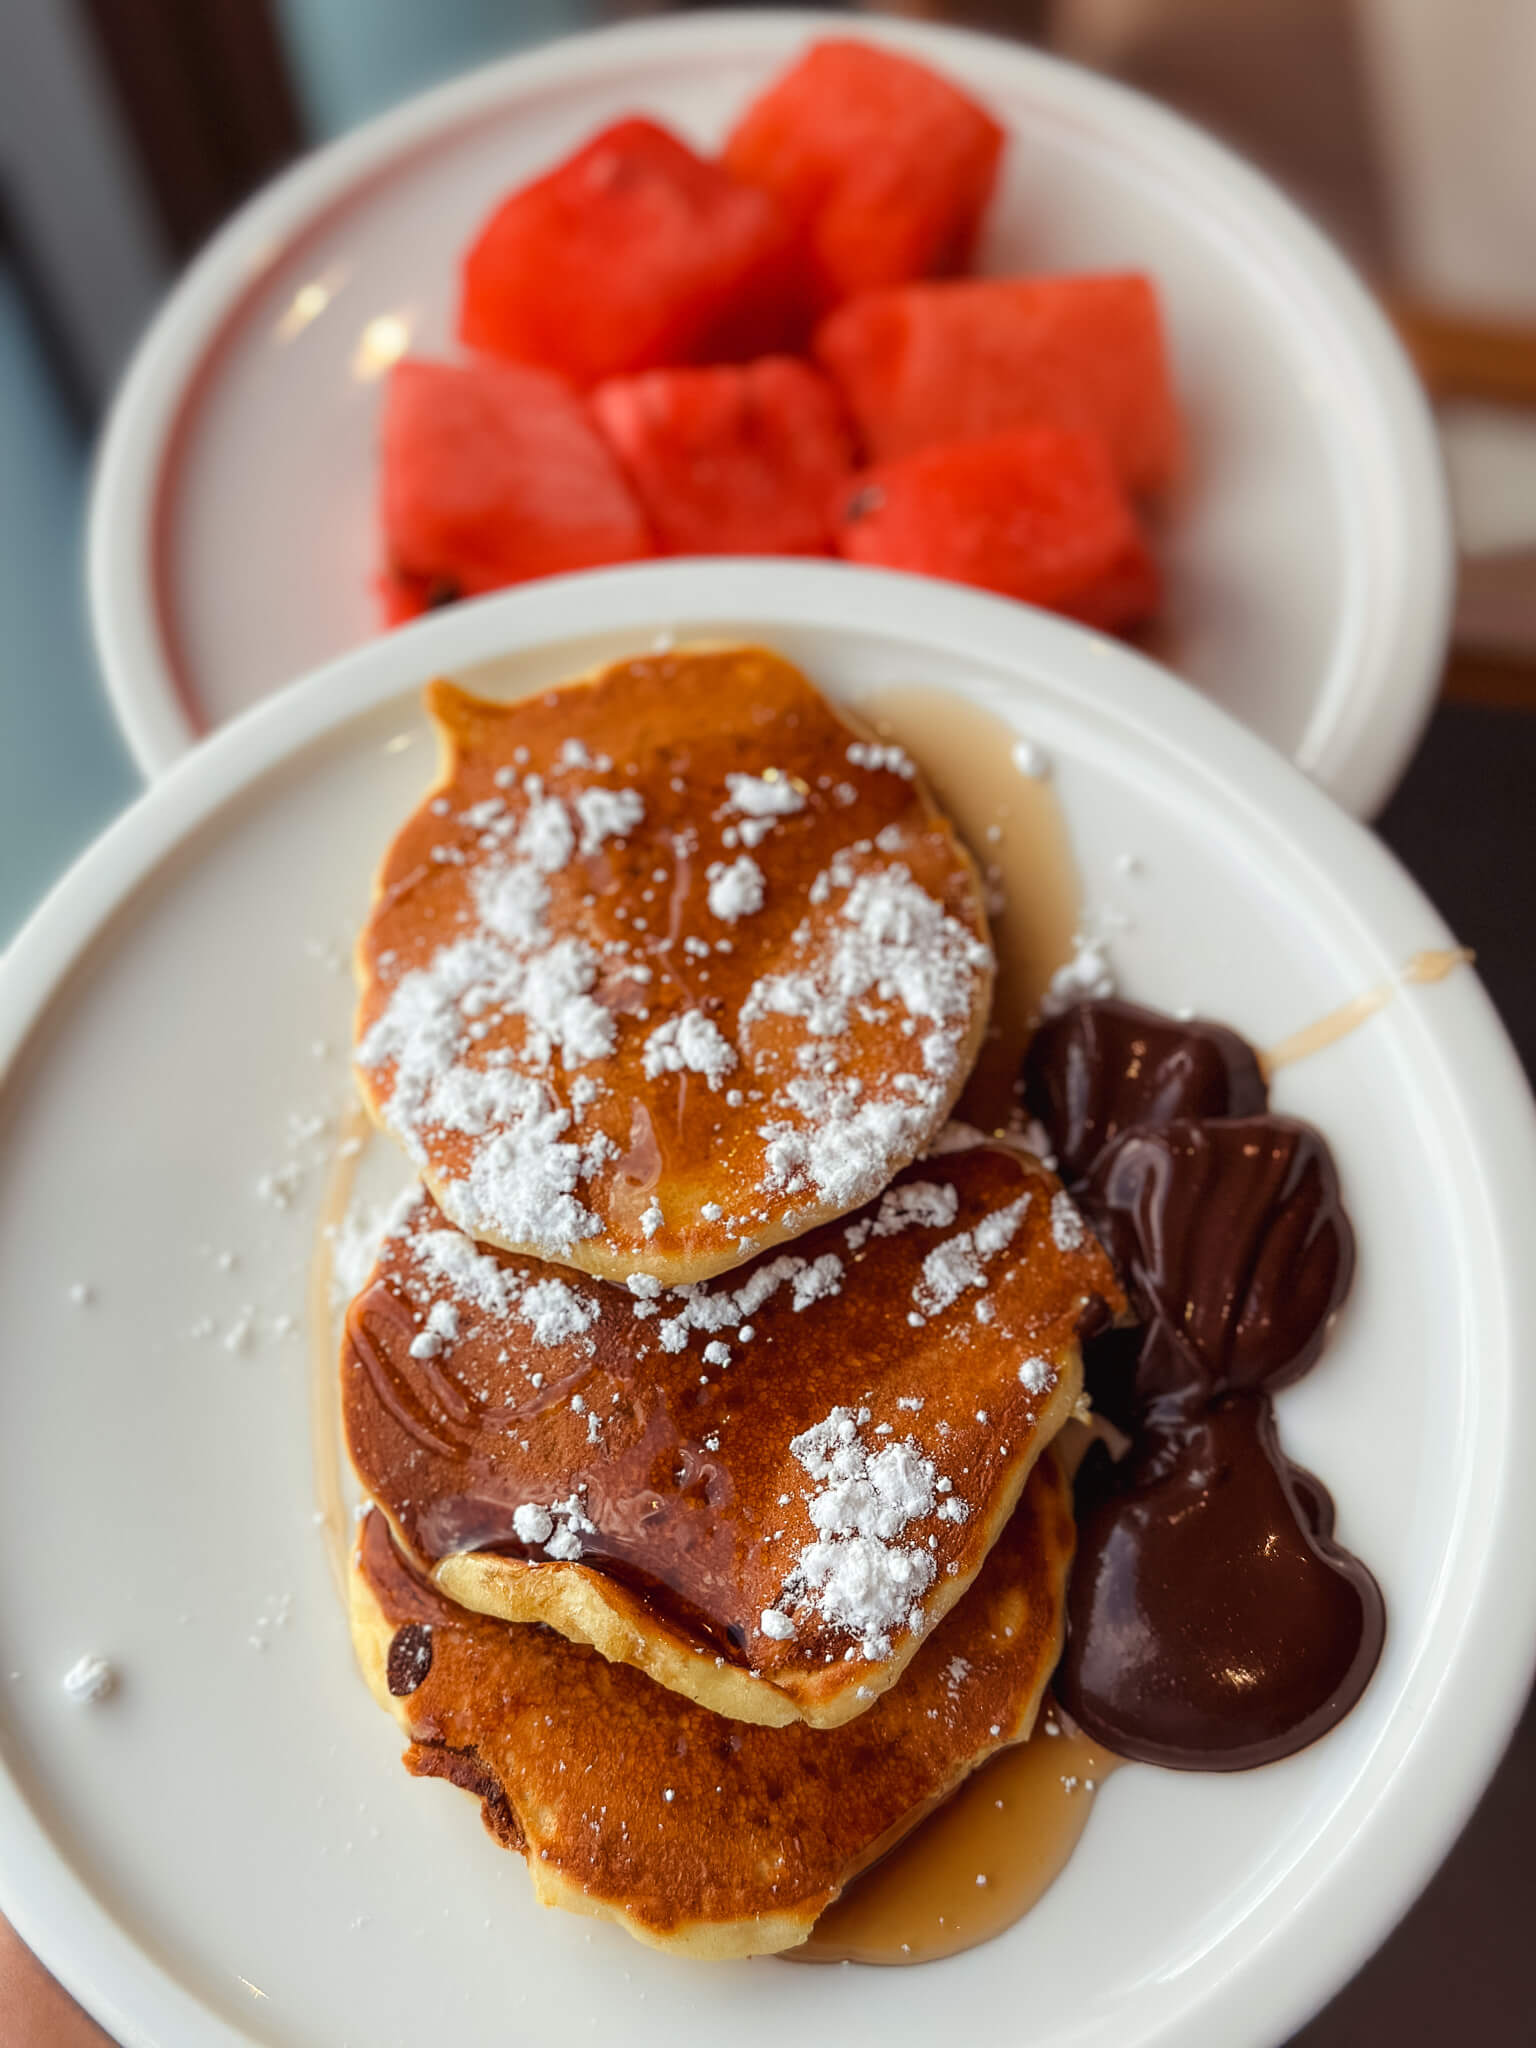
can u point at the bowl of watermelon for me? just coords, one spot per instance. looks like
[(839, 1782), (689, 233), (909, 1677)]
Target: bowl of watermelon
[(748, 285)]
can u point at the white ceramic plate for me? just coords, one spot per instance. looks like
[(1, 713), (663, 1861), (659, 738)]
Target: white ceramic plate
[(233, 539), (227, 1850)]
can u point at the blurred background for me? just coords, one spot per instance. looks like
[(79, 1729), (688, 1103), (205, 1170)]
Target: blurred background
[(130, 128)]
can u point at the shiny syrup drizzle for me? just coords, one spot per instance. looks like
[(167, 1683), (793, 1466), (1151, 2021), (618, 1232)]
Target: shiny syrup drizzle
[(1015, 1823), (1432, 964), (1014, 826), (323, 1328)]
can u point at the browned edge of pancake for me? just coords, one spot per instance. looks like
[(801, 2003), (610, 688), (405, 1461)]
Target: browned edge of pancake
[(591, 1608), (1047, 1505)]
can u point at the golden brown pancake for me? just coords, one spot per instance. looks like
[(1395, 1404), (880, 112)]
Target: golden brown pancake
[(672, 965), (698, 1834), (763, 1490)]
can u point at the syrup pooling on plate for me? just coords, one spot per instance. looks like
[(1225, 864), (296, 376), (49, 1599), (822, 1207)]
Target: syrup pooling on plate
[(989, 1854), (1431, 964), (673, 965), (1213, 1621), (998, 792)]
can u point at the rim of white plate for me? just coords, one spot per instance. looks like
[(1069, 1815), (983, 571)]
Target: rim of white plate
[(1380, 685), (1329, 1909)]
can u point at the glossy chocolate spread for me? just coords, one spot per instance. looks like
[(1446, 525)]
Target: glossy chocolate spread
[(1213, 1622)]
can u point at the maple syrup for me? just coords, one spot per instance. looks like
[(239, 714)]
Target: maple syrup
[(1433, 964), (1013, 1824), (1014, 825)]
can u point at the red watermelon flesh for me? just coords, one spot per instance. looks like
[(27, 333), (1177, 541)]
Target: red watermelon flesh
[(955, 362), (734, 460), (886, 166), (1037, 514), (492, 473), (401, 597), (631, 254)]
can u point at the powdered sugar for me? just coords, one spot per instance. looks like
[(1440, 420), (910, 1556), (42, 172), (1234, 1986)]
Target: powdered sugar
[(556, 1311), (441, 1331), (562, 1525), (956, 1264), (607, 814), (842, 1147), (816, 1281), (870, 754), (1086, 977), (88, 1681), (929, 1204), (689, 1044), (531, 1523), (736, 891), (521, 1185), (709, 1307), (458, 1263), (1067, 1226), (770, 795), (857, 1573), (547, 839), (893, 943), (358, 1237), (1036, 1374)]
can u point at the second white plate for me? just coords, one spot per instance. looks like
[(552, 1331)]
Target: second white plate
[(233, 539)]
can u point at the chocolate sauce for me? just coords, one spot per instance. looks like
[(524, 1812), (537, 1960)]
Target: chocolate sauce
[(410, 1658), (1101, 1068), (1213, 1622), (1233, 1245)]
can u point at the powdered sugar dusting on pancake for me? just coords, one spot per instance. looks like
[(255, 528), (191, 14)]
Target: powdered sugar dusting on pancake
[(605, 1034)]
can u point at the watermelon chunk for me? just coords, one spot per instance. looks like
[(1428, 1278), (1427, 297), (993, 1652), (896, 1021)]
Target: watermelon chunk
[(885, 166), (631, 254), (1037, 514), (735, 460), (955, 362), (492, 473), (403, 598)]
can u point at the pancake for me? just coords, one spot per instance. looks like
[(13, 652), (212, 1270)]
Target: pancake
[(762, 1491), (672, 965), (696, 1834)]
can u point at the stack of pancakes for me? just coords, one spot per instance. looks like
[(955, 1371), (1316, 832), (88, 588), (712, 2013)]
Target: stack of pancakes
[(704, 1389)]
